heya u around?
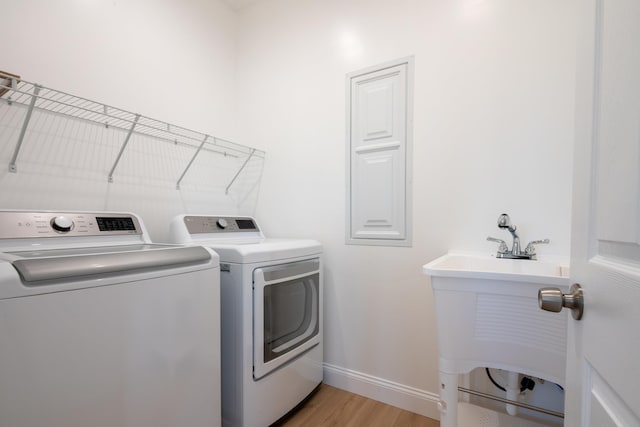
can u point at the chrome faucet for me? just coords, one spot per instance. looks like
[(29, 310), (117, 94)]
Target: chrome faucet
[(515, 253)]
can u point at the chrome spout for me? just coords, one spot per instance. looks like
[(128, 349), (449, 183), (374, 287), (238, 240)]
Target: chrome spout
[(504, 222)]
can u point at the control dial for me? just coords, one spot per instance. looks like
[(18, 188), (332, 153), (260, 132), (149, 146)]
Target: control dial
[(222, 223), (62, 223)]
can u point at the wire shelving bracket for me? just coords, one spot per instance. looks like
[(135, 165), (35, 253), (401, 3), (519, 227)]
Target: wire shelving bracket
[(191, 161), (226, 190), (13, 168), (124, 145)]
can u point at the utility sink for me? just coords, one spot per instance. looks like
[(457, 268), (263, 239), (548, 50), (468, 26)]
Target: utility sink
[(487, 316), (474, 266)]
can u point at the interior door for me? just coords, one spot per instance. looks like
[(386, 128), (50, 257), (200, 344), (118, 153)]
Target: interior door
[(604, 347)]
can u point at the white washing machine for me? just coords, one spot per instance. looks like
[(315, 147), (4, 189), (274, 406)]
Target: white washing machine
[(101, 328), (271, 316)]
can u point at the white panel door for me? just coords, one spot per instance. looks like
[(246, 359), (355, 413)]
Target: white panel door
[(378, 155), (603, 348)]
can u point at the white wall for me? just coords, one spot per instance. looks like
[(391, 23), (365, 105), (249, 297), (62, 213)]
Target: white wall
[(172, 60), (493, 126)]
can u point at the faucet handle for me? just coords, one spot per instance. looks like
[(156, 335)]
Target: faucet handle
[(502, 249), (531, 249)]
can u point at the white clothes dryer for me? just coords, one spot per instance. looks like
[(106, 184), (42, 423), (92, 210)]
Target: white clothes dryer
[(271, 308), (99, 327)]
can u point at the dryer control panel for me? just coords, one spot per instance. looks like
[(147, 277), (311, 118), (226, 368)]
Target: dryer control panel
[(219, 224), (17, 225)]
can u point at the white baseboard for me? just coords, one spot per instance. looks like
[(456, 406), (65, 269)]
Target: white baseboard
[(399, 395)]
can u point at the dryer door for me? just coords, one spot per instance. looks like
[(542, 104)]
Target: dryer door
[(286, 321)]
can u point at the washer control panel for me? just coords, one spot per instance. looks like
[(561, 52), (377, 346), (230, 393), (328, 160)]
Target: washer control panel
[(17, 225), (219, 224)]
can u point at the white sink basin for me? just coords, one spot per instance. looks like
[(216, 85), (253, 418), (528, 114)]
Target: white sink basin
[(474, 266)]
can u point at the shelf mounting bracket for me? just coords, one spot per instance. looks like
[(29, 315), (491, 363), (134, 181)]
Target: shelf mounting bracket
[(226, 190), (192, 159), (13, 168), (124, 145)]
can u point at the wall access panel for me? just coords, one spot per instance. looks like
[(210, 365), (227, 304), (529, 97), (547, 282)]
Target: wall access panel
[(378, 155)]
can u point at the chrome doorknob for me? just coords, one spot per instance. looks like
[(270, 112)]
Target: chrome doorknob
[(552, 299)]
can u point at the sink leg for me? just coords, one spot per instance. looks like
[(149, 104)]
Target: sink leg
[(513, 391), (448, 404)]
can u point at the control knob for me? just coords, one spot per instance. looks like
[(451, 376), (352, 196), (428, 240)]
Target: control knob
[(62, 223), (222, 223)]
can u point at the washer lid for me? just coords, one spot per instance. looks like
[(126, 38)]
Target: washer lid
[(260, 250)]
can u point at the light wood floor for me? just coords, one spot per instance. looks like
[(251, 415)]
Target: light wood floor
[(330, 406)]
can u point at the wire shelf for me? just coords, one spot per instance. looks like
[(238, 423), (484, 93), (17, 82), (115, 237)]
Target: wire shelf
[(14, 90)]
